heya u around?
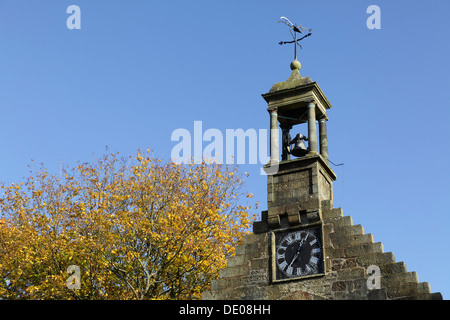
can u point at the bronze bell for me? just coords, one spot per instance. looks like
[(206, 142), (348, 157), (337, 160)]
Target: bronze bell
[(299, 149)]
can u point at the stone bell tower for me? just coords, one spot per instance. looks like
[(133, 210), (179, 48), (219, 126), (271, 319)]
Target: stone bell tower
[(296, 190), (303, 247)]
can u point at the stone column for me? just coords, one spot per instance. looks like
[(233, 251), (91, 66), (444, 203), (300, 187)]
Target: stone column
[(312, 131), (274, 140), (323, 141)]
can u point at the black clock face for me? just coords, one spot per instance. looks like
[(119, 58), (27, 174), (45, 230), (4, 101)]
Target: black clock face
[(298, 253)]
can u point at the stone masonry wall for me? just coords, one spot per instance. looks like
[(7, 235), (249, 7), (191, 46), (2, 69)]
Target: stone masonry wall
[(348, 251)]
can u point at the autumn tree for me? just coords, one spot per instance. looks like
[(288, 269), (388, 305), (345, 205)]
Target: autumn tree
[(136, 227)]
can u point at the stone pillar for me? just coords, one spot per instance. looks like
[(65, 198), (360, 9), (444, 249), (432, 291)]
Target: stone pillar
[(323, 140), (312, 131), (274, 140)]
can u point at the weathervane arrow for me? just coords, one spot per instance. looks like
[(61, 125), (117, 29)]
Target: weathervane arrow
[(296, 29)]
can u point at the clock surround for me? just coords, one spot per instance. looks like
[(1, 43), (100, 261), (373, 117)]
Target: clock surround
[(297, 253)]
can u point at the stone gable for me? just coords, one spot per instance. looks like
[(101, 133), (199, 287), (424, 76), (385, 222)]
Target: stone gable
[(349, 252)]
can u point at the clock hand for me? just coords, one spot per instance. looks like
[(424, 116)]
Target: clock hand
[(301, 243), (297, 253), (300, 246), (294, 258)]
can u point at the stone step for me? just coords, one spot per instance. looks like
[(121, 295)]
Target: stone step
[(358, 251), (236, 260), (408, 290), (378, 259), (400, 284), (332, 213), (388, 268), (342, 240), (349, 230), (403, 285), (326, 204), (394, 279), (364, 249), (339, 221), (392, 268)]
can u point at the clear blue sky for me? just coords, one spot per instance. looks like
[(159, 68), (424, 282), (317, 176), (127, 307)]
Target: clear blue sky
[(138, 70)]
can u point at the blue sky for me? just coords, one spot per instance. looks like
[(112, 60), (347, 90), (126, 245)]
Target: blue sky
[(138, 70)]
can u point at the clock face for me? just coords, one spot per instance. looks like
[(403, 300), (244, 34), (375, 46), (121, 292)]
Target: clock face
[(298, 253)]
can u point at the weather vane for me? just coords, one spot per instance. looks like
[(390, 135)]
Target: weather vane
[(296, 29)]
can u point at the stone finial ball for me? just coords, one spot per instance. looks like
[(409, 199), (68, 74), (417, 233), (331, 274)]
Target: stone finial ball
[(296, 65)]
